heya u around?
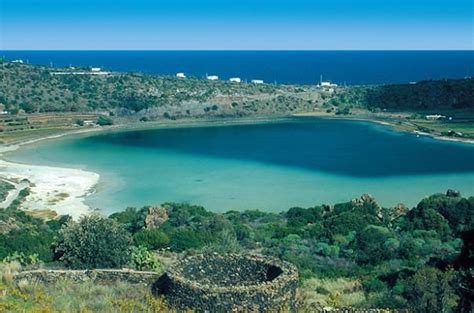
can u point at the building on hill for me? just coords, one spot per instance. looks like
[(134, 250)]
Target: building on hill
[(257, 81), (235, 80), (180, 75), (212, 77), (434, 117)]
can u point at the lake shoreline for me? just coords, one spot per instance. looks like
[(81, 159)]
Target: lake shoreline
[(390, 123), (56, 190), (61, 189)]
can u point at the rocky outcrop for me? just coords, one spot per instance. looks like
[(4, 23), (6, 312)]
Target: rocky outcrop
[(368, 201), (155, 217), (453, 193), (229, 283)]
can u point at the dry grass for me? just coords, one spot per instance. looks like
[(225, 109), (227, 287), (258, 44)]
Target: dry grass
[(45, 214), (68, 296), (339, 292)]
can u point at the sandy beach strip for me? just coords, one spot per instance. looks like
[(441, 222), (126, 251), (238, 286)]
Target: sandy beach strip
[(62, 190)]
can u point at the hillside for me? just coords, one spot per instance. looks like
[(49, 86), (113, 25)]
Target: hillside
[(353, 254), (37, 89), (37, 101), (425, 95)]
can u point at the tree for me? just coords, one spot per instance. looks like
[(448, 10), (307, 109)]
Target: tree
[(375, 244), (28, 107), (104, 121), (152, 239), (428, 219), (93, 242), (429, 290)]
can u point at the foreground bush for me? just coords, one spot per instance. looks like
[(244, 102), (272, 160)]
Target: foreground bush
[(93, 242), (144, 260)]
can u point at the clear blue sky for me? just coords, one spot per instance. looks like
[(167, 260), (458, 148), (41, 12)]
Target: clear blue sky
[(236, 24)]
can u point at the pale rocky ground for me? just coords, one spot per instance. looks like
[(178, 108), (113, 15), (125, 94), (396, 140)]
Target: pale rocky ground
[(58, 189)]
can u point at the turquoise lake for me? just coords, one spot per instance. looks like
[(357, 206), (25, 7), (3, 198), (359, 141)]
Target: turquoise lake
[(271, 166)]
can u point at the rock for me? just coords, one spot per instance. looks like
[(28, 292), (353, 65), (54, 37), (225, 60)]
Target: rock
[(453, 193), (100, 276), (155, 217), (399, 210), (367, 200), (8, 225)]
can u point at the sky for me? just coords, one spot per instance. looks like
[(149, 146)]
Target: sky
[(236, 24)]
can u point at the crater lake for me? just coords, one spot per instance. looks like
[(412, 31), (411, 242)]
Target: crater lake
[(270, 166)]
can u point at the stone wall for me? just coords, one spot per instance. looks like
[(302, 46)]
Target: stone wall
[(225, 283), (105, 276)]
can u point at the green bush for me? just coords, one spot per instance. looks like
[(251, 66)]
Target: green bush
[(104, 121), (371, 244), (132, 219), (431, 290), (24, 260), (143, 260), (374, 285), (152, 239), (93, 242), (187, 239)]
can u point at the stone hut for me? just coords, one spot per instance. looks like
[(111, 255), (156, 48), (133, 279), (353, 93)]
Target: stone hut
[(230, 283)]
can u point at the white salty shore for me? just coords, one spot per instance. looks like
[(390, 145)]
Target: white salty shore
[(62, 190)]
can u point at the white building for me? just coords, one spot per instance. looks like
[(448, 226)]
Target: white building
[(95, 69), (17, 61), (213, 77), (434, 117), (180, 75), (257, 81), (327, 85), (235, 80)]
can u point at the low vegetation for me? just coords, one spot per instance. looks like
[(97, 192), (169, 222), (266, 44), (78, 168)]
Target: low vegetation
[(5, 188), (35, 89), (68, 296), (39, 103), (353, 254)]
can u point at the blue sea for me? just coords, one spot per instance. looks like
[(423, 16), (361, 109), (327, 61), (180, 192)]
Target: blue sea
[(271, 166), (290, 67)]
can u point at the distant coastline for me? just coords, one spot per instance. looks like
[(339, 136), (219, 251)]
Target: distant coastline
[(287, 67)]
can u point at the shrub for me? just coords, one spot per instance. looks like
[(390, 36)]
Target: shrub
[(374, 285), (373, 243), (187, 239), (93, 242), (151, 238), (143, 260), (430, 290), (132, 219), (104, 121), (23, 259)]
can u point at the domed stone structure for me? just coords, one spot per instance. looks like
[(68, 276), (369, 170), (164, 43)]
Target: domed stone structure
[(230, 282)]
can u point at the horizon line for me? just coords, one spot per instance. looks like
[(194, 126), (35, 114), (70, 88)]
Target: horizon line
[(249, 50)]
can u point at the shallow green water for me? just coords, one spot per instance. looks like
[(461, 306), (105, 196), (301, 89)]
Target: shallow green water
[(273, 166)]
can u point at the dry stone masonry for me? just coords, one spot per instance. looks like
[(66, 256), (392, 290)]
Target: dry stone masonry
[(226, 283), (99, 275)]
